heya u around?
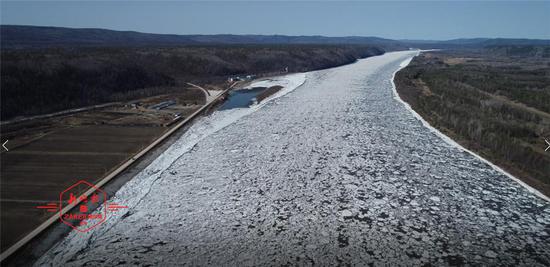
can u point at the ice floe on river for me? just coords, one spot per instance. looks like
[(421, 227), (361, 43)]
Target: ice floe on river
[(337, 172), (132, 193)]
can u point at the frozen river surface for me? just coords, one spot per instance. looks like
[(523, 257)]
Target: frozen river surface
[(335, 172)]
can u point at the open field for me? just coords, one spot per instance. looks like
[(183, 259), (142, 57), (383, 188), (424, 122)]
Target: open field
[(36, 173), (494, 101), (48, 155)]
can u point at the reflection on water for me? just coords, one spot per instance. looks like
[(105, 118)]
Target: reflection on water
[(242, 98)]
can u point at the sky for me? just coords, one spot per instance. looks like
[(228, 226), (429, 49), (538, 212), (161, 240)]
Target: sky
[(427, 20)]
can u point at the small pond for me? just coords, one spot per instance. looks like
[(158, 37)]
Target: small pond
[(241, 98)]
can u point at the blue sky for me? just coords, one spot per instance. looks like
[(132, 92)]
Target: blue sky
[(397, 20)]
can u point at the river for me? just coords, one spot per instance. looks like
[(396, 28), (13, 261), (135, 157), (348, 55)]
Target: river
[(336, 171)]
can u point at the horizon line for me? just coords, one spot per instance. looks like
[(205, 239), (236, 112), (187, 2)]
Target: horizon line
[(273, 34)]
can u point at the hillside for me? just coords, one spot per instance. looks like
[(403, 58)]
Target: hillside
[(47, 69), (19, 36), (41, 81), (15, 36)]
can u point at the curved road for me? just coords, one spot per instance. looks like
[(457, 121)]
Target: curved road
[(336, 172)]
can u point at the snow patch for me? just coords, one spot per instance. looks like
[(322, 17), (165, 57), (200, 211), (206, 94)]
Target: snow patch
[(288, 82)]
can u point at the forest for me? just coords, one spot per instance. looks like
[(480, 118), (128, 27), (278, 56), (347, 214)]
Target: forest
[(495, 104), (43, 80)]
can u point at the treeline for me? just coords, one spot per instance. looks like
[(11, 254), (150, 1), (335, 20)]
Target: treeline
[(37, 81), (528, 86), (536, 51), (498, 111)]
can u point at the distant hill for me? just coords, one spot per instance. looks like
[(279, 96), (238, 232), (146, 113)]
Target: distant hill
[(13, 36), (503, 41), (523, 51), (483, 42), (34, 37), (16, 36), (284, 39), (477, 43)]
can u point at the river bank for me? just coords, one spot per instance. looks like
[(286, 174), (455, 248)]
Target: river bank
[(498, 118), (189, 134)]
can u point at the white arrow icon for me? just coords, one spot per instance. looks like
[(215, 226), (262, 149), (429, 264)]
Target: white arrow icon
[(4, 145), (548, 144)]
